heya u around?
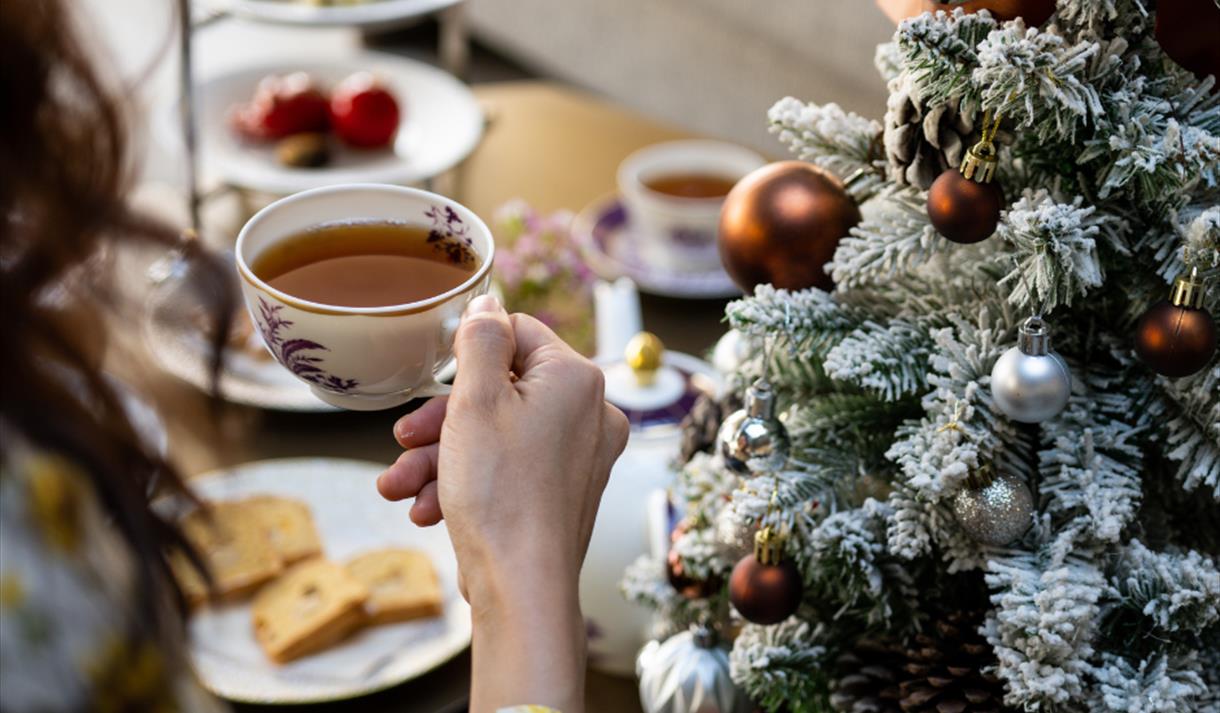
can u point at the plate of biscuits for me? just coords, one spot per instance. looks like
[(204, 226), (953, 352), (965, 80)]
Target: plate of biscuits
[(320, 589)]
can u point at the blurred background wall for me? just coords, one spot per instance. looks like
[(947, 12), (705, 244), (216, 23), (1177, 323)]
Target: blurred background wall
[(714, 66)]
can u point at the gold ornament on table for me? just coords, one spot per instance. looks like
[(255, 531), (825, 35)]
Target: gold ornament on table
[(964, 204), (781, 224), (645, 353)]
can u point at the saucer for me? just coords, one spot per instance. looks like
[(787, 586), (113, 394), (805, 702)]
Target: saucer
[(611, 249)]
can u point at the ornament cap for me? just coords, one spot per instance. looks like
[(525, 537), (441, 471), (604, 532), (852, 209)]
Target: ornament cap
[(644, 354), (768, 546), (1034, 338), (979, 163), (981, 477), (704, 636), (760, 400), (1188, 291)]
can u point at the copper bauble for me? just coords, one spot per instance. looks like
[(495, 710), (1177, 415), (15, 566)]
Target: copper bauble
[(1033, 12), (1175, 340), (1189, 32), (963, 210), (782, 223), (686, 585), (765, 593)]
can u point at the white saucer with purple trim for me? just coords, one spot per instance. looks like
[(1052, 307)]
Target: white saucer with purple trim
[(603, 234)]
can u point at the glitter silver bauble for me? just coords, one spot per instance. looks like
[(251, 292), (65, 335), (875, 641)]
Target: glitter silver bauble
[(994, 509), (1030, 383), (688, 673), (752, 437)]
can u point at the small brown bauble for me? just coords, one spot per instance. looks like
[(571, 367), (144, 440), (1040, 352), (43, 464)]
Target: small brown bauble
[(1189, 32), (1175, 341), (963, 210), (686, 585), (765, 593), (781, 224)]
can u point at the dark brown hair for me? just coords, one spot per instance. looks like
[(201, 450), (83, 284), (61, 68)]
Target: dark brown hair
[(64, 176)]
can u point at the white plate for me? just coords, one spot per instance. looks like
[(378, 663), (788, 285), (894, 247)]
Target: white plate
[(603, 234), (441, 124), (296, 12), (352, 518), (180, 349)]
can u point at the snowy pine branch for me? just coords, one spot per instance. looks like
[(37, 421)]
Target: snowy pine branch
[(1157, 685), (1178, 593), (1043, 627), (826, 136), (781, 666), (890, 360), (941, 52), (1090, 471), (890, 240), (1037, 80), (1054, 251)]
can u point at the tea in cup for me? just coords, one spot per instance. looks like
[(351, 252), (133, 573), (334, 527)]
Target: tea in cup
[(358, 289), (673, 192)]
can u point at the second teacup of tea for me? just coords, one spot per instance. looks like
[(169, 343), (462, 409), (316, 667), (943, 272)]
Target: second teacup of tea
[(673, 192), (358, 289)]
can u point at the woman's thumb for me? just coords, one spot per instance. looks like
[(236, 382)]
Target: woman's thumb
[(484, 346)]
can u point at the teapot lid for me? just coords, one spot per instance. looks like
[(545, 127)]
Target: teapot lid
[(656, 389)]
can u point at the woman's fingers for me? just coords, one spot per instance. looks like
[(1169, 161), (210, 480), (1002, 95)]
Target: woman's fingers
[(426, 510), (422, 426), (409, 474)]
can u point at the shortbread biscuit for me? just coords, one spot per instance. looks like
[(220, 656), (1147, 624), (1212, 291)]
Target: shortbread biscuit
[(402, 585), (312, 606)]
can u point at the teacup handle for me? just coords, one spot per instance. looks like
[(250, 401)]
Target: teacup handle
[(433, 388)]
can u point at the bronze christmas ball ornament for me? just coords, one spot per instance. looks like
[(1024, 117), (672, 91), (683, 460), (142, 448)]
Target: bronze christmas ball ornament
[(765, 587), (964, 210), (1177, 337), (1188, 30), (1033, 12), (781, 224)]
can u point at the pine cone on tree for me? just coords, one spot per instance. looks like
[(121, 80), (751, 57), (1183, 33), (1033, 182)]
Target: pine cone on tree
[(922, 141), (700, 426), (941, 671)]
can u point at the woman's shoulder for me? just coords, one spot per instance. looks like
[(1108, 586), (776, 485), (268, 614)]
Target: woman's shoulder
[(73, 632)]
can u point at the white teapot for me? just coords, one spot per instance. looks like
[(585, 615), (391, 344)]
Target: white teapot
[(656, 389)]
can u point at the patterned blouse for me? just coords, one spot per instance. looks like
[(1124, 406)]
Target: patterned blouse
[(67, 619)]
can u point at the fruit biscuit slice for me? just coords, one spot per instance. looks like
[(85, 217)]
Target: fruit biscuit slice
[(236, 548), (314, 605), (402, 585), (289, 525)]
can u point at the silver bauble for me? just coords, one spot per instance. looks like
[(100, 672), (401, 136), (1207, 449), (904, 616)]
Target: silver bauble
[(688, 673), (994, 509), (752, 438), (1030, 383)]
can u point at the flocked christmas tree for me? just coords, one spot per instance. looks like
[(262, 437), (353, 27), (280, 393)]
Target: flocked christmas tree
[(1046, 538)]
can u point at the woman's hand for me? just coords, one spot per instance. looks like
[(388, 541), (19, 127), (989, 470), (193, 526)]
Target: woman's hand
[(516, 466)]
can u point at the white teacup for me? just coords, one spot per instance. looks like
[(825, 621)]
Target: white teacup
[(362, 358), (678, 234)]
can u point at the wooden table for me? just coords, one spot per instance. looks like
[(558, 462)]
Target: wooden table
[(550, 145)]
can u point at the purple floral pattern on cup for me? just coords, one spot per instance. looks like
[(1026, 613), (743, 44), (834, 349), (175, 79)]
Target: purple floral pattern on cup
[(450, 234), (294, 353)]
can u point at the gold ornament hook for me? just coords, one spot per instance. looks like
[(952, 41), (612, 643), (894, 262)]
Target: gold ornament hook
[(1188, 291), (980, 161)]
